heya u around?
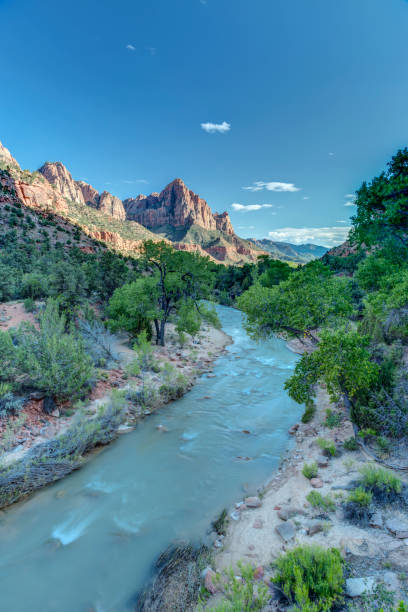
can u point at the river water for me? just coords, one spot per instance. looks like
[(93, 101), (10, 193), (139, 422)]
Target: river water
[(89, 541)]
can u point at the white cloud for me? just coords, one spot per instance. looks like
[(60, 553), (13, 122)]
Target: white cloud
[(272, 186), (250, 207), (306, 197), (341, 221), (246, 227), (326, 236), (216, 128), (130, 48), (350, 196), (350, 203)]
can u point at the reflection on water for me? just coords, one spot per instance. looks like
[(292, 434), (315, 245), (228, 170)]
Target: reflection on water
[(89, 541)]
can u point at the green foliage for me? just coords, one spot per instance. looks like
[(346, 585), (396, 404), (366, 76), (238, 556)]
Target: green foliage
[(273, 272), (382, 483), (309, 412), (132, 307), (145, 359), (327, 446), (52, 359), (242, 594), (361, 497), (34, 285), (342, 361), (317, 500), (351, 444), (309, 298), (310, 470), (333, 419), (311, 578), (29, 305), (8, 358)]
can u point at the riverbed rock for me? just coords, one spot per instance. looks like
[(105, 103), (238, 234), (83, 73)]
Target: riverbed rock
[(391, 581), (316, 483), (322, 461), (376, 520), (355, 587), (209, 581), (314, 528), (253, 502), (287, 531), (289, 512), (397, 527), (259, 572), (293, 429)]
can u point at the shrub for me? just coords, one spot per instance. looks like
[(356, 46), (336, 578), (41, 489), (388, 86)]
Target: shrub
[(310, 470), (99, 342), (10, 404), (357, 505), (333, 419), (328, 446), (241, 592), (361, 497), (309, 412), (350, 444), (316, 500), (8, 358), (29, 305), (382, 483), (311, 578)]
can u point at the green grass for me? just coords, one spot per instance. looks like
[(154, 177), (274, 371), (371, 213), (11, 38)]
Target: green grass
[(310, 470), (317, 500)]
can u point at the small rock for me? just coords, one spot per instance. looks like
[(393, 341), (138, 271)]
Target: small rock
[(235, 515), (316, 483), (123, 429), (398, 528), (259, 572), (355, 587), (376, 520), (209, 578), (322, 461), (391, 581), (293, 429), (55, 413), (313, 529), (253, 502), (258, 524), (161, 428), (60, 494), (287, 513), (286, 531), (218, 543)]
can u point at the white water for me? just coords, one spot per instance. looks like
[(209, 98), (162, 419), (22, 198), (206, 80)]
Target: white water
[(93, 547)]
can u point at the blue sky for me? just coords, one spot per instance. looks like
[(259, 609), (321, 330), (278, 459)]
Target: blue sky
[(311, 96)]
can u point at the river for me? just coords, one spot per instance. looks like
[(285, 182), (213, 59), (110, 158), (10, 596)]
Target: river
[(89, 541)]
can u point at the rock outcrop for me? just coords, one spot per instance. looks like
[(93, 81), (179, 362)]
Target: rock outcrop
[(89, 193), (6, 157), (58, 176), (111, 205), (176, 206)]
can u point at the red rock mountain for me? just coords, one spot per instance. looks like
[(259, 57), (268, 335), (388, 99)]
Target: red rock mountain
[(178, 207)]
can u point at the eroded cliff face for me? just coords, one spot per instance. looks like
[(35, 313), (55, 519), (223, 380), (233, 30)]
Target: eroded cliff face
[(6, 157), (176, 206), (111, 205), (58, 176)]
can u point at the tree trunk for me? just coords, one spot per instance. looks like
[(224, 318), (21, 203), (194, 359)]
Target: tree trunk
[(162, 330), (157, 328)]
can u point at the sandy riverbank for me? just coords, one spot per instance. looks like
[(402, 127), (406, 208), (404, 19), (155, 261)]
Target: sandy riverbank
[(285, 519)]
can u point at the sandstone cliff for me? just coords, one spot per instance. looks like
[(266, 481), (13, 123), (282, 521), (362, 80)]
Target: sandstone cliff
[(58, 176), (178, 207), (6, 157)]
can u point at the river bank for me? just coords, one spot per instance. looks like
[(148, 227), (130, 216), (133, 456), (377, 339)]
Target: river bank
[(282, 517), (112, 408)]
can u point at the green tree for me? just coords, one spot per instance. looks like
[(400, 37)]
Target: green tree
[(133, 307), (309, 298)]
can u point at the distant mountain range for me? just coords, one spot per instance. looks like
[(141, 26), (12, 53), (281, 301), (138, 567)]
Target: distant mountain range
[(176, 214), (285, 251)]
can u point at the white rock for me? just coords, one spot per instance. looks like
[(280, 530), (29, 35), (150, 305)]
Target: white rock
[(355, 587)]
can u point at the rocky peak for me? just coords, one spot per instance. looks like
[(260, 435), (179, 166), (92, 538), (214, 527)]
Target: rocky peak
[(177, 206), (111, 205), (6, 157), (89, 193), (57, 174)]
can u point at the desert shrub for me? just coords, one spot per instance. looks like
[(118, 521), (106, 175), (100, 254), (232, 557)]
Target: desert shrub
[(328, 446), (29, 305), (145, 359), (242, 593), (10, 404), (317, 500), (144, 396), (34, 285), (333, 419), (53, 360), (309, 412), (382, 483), (356, 508), (8, 357), (310, 470), (350, 444), (174, 383), (311, 578), (220, 523), (98, 341)]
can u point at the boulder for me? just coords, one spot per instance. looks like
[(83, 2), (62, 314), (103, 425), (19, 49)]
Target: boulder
[(209, 581), (322, 461), (376, 520), (355, 587), (316, 483), (397, 527), (253, 502), (287, 531)]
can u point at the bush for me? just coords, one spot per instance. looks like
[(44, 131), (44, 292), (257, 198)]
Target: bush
[(382, 483), (311, 578), (361, 497), (316, 500), (310, 470), (333, 419), (350, 444), (8, 358), (98, 341), (53, 360), (241, 592), (29, 305), (328, 446), (10, 405), (357, 505), (309, 412)]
